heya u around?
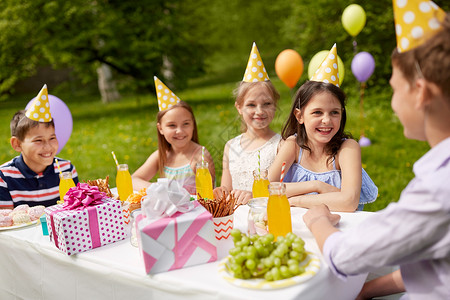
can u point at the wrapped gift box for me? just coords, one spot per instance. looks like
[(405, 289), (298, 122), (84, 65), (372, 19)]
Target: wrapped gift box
[(75, 231), (182, 240)]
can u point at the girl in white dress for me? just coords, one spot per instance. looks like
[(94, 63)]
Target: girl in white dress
[(256, 101)]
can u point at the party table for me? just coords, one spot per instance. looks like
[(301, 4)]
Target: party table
[(31, 267)]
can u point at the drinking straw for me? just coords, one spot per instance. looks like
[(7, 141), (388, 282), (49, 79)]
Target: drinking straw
[(283, 166), (203, 155), (115, 159), (57, 164), (259, 161)]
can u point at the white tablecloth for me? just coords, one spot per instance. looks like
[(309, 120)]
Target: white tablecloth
[(31, 267)]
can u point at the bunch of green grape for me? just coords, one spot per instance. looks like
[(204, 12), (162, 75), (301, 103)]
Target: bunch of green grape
[(261, 257)]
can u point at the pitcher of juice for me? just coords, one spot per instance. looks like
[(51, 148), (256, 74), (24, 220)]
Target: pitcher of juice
[(203, 181), (65, 183), (260, 184), (278, 210), (123, 182)]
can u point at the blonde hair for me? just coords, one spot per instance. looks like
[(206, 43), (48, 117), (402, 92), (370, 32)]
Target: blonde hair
[(241, 91), (163, 144)]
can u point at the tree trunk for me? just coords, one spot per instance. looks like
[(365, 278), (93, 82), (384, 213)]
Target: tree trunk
[(106, 84)]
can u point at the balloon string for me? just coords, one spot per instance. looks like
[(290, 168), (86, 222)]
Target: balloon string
[(355, 46), (361, 106)]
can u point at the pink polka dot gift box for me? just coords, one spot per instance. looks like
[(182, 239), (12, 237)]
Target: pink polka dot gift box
[(87, 219)]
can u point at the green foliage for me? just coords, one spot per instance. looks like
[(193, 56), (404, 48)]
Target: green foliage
[(131, 37)]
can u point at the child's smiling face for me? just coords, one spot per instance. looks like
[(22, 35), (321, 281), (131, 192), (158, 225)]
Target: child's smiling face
[(177, 127), (258, 108), (38, 147), (321, 117)]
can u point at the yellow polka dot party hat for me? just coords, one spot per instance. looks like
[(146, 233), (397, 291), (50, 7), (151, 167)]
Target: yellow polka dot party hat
[(166, 98), (328, 69), (39, 110), (415, 22), (255, 68)]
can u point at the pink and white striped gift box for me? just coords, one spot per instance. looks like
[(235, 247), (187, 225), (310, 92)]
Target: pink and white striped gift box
[(170, 243)]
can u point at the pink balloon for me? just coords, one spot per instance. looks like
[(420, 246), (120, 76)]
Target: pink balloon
[(363, 66), (61, 117)]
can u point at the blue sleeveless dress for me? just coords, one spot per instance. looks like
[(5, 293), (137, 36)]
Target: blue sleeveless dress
[(297, 173)]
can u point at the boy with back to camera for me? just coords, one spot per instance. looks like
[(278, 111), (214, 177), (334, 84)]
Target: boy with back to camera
[(413, 233), (33, 177)]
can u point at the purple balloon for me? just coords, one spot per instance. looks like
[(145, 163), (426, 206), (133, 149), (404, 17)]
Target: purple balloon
[(364, 142), (61, 117), (363, 66)]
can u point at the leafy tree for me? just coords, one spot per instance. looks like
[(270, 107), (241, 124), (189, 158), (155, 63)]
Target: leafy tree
[(131, 37)]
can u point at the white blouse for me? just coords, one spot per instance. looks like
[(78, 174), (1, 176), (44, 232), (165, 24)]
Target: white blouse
[(242, 163)]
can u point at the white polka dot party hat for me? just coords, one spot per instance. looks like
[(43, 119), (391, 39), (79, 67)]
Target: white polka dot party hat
[(255, 68), (39, 110), (328, 69), (415, 22), (166, 98)]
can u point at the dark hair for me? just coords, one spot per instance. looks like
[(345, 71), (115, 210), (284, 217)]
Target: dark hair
[(163, 145), (304, 94), (244, 87), (20, 125), (431, 59)]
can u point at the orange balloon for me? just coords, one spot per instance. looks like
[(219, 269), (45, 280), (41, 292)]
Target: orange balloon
[(289, 67)]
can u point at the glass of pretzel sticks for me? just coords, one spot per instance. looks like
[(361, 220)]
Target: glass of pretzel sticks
[(221, 207)]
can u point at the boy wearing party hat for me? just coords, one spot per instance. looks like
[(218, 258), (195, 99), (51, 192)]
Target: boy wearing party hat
[(33, 177), (323, 162), (254, 149), (413, 233)]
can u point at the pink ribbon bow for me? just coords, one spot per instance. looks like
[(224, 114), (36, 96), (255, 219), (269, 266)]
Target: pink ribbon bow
[(82, 196)]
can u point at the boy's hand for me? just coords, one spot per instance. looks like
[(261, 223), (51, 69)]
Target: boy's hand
[(319, 212)]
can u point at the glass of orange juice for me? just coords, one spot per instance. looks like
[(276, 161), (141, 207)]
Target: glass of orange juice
[(65, 183), (278, 210), (123, 182), (203, 181), (260, 184)]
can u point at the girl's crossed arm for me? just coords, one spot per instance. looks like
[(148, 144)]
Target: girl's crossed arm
[(288, 153), (347, 198)]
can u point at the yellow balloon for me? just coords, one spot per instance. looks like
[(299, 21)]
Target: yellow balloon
[(318, 58), (353, 19)]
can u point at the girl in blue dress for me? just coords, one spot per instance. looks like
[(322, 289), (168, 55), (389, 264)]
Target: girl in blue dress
[(323, 163)]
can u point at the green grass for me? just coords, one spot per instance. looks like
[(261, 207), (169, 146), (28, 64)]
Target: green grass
[(128, 128)]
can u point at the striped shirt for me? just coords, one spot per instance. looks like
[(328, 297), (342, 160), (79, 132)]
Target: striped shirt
[(184, 175), (20, 185)]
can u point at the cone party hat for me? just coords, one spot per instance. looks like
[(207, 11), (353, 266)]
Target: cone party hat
[(39, 110), (328, 69), (415, 22), (166, 98), (255, 70)]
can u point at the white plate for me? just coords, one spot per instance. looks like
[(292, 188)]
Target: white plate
[(19, 226), (311, 265)]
